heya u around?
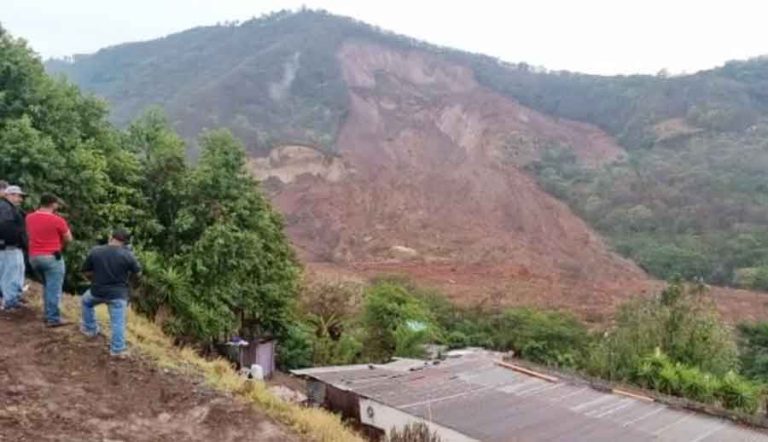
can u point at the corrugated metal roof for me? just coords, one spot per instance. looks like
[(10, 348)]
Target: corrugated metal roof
[(475, 396)]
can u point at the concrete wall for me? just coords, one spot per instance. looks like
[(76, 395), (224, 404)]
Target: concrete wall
[(386, 418)]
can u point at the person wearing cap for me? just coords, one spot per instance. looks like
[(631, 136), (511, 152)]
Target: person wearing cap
[(109, 267), (48, 233), (12, 243)]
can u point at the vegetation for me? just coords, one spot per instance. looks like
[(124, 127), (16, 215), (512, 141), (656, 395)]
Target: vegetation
[(313, 423), (415, 432), (753, 345), (730, 390), (688, 201), (695, 209), (682, 323), (673, 343), (216, 260)]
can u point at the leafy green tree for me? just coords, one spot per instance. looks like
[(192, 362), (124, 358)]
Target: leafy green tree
[(683, 323), (753, 346), (394, 320), (549, 337), (215, 257)]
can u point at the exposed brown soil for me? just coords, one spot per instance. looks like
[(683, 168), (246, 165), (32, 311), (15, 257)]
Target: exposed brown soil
[(430, 182), (56, 385)]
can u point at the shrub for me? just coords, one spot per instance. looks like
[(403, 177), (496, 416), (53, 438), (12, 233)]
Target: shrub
[(736, 393), (414, 432), (548, 337), (295, 348), (682, 322), (347, 349), (658, 372), (393, 317), (697, 385)]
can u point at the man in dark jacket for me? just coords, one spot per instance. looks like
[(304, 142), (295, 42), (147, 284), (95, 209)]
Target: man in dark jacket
[(12, 242), (109, 267)]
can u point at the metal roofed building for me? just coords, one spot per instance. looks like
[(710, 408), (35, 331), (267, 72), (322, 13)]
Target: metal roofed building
[(473, 398)]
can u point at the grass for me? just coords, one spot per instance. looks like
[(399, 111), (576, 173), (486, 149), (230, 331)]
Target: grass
[(149, 340)]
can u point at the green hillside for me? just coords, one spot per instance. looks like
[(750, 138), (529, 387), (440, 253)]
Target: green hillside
[(689, 200)]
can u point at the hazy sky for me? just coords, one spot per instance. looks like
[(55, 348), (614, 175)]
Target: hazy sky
[(596, 36)]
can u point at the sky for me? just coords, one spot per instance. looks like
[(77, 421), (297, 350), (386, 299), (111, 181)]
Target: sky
[(592, 36)]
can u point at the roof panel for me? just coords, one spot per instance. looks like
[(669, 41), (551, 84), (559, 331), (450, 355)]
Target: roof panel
[(477, 397)]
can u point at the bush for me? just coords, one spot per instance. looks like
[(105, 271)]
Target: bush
[(548, 337), (736, 393), (295, 348), (682, 322), (753, 344), (414, 432), (394, 320), (731, 391)]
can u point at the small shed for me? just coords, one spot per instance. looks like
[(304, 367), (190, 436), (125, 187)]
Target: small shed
[(256, 351)]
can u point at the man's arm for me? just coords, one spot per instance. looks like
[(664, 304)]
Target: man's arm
[(135, 266), (66, 232), (87, 268)]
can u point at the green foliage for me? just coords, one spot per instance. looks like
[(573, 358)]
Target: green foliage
[(223, 239), (688, 201), (736, 393), (215, 259), (694, 208), (295, 349), (414, 432), (330, 309), (548, 337), (395, 322), (731, 391), (682, 323), (753, 346)]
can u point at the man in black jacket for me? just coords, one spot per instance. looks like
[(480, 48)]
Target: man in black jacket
[(12, 242)]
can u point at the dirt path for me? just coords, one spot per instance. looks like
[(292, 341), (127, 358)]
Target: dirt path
[(56, 385)]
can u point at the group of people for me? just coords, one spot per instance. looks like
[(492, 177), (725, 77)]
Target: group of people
[(42, 236)]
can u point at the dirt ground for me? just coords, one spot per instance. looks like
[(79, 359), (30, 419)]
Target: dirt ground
[(57, 385)]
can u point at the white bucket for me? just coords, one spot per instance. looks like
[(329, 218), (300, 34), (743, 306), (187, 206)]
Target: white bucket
[(257, 372)]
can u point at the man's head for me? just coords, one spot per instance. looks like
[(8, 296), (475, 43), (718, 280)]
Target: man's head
[(120, 237), (51, 202), (15, 195), (3, 186)]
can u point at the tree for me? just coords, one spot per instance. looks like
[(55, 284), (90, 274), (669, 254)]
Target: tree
[(234, 270), (395, 322), (682, 323)]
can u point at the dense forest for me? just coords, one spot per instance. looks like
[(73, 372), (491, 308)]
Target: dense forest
[(688, 200)]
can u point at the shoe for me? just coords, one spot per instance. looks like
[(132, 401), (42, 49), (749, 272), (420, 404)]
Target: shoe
[(89, 334), (61, 323), (120, 355)]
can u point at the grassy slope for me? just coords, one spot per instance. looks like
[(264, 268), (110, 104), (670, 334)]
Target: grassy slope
[(144, 336)]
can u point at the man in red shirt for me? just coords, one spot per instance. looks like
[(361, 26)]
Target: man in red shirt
[(48, 234)]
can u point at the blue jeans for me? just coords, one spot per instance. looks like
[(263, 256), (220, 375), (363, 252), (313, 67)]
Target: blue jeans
[(117, 312), (11, 276), (52, 272)]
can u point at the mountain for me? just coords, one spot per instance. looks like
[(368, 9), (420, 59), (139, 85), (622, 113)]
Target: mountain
[(388, 154)]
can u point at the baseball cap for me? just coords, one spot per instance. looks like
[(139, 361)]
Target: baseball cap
[(14, 190), (121, 235)]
